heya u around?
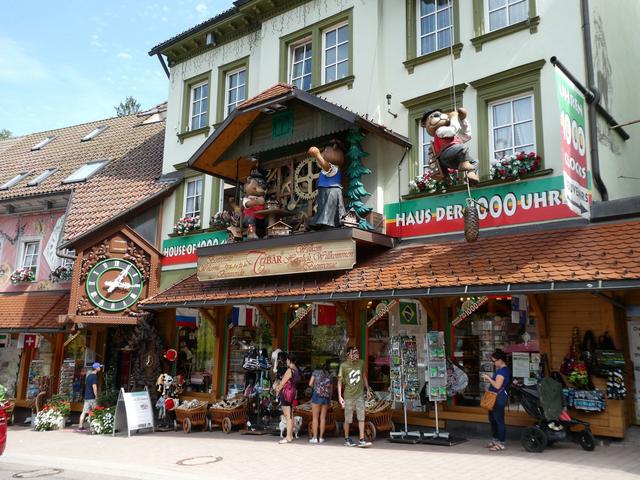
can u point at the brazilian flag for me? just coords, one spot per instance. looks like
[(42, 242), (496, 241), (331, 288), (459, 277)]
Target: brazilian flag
[(409, 313)]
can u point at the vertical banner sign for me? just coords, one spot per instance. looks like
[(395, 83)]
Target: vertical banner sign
[(574, 146)]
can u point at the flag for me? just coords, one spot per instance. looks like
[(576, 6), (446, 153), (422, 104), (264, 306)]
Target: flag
[(244, 316), (28, 340), (324, 314), (187, 317), (410, 313), (519, 309)]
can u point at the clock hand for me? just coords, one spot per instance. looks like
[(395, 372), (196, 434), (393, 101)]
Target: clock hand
[(118, 279)]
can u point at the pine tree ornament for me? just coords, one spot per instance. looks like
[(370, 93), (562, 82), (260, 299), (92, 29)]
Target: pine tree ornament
[(355, 170)]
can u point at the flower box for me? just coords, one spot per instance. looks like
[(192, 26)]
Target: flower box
[(23, 275), (61, 274), (512, 167), (186, 225)]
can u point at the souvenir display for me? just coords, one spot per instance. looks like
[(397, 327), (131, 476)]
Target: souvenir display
[(436, 366), (404, 368)]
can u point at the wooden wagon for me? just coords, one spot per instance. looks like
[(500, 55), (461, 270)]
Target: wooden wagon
[(304, 411), (227, 418), (192, 417), (378, 419), (9, 407)]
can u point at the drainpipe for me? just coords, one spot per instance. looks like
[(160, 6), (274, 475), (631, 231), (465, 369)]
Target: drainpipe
[(406, 149), (593, 127)]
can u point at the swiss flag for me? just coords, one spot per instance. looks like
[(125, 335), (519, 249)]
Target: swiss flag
[(30, 340), (324, 314)]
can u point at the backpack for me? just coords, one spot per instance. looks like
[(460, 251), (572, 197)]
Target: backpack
[(323, 385), (289, 390)]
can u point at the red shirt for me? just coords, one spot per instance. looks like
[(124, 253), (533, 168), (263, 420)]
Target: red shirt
[(440, 144), (250, 212)]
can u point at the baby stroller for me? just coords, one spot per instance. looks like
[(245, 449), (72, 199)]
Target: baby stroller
[(546, 432)]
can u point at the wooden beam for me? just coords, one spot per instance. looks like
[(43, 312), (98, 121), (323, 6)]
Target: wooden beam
[(265, 313), (432, 308), (345, 312), (210, 318), (537, 304)]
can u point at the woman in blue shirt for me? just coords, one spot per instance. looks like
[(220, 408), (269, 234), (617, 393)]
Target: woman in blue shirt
[(499, 383)]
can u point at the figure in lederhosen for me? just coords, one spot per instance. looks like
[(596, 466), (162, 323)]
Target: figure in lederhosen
[(329, 203)]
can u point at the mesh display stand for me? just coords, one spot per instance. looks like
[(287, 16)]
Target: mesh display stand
[(404, 365), (436, 374)]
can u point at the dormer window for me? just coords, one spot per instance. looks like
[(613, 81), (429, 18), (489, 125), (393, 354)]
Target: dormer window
[(42, 177), (85, 171), (7, 185), (42, 144), (94, 133)]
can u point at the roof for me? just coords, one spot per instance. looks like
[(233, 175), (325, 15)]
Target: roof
[(592, 257), (33, 310), (209, 157), (134, 150)]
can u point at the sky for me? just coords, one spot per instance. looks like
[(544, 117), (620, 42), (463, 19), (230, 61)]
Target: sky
[(68, 62)]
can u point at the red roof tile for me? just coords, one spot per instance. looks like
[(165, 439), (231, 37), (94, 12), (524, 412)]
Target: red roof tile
[(588, 253), (33, 310), (277, 90)]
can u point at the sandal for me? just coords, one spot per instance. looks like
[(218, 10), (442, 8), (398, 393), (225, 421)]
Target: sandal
[(497, 448), (284, 440), (490, 444)]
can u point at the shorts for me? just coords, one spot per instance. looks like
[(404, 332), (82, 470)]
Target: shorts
[(453, 156), (88, 405), (318, 400), (349, 405)]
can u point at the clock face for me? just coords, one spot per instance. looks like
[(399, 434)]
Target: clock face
[(114, 284)]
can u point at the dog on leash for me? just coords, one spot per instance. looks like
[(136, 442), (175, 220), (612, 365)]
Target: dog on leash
[(297, 425)]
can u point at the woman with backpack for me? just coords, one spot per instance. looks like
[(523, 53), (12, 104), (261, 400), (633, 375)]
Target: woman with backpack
[(286, 390), (322, 384)]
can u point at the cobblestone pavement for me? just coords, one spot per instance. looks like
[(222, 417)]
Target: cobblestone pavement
[(219, 456)]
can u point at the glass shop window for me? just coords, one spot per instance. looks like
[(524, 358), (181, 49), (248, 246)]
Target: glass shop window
[(195, 356)]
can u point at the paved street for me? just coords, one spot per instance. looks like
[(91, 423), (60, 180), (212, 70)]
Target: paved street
[(219, 456)]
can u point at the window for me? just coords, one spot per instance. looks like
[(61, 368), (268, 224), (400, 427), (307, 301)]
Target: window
[(94, 133), (66, 262), (30, 252), (512, 127), (85, 171), (42, 143), (503, 13), (319, 57), (236, 89), (300, 63), (10, 183), (199, 106), (425, 141), (434, 25), (42, 177), (193, 197), (335, 59)]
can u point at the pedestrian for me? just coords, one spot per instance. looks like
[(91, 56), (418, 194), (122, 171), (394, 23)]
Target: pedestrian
[(351, 375), (90, 392), (322, 384), (498, 383), (286, 389)]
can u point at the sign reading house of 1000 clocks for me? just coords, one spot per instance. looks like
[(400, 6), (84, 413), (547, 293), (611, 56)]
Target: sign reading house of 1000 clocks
[(307, 257)]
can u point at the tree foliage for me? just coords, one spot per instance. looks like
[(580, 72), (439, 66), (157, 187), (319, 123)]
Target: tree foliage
[(128, 107), (4, 133)]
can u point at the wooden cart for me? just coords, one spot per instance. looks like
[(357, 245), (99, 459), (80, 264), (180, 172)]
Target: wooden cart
[(331, 427), (192, 417), (378, 420), (9, 407), (228, 418)]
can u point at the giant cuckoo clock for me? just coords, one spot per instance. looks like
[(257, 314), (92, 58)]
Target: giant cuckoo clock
[(112, 276)]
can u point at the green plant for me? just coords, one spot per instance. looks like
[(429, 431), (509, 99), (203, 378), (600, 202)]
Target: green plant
[(48, 419), (101, 420), (61, 404), (107, 398)]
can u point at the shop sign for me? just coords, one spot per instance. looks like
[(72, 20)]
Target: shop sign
[(302, 258), (468, 308), (382, 309), (133, 412), (181, 250), (505, 205), (574, 146)]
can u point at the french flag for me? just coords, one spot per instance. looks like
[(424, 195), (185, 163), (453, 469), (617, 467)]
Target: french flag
[(187, 317), (244, 316)]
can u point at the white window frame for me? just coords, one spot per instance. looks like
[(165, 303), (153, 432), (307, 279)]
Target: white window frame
[(66, 262), (227, 89), (22, 251), (424, 140), (203, 100), (487, 13), (198, 212), (324, 66), (100, 164), (420, 34), (305, 42), (492, 127)]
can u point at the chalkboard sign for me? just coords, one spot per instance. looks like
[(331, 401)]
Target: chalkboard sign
[(133, 412)]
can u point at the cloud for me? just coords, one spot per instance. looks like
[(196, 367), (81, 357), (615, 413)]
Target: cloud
[(17, 65), (202, 9), (95, 41), (124, 56)]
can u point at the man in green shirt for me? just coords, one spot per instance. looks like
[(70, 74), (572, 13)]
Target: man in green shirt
[(351, 375)]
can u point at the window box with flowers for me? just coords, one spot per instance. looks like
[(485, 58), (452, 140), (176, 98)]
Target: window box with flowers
[(514, 166), (426, 183), (23, 275), (186, 225), (61, 274), (223, 220)]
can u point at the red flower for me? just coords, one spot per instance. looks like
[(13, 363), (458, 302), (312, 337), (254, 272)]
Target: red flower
[(532, 155), (521, 156)]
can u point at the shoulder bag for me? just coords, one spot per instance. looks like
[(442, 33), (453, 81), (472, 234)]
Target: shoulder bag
[(488, 400)]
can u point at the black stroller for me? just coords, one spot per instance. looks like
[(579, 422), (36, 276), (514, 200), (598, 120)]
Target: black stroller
[(547, 432)]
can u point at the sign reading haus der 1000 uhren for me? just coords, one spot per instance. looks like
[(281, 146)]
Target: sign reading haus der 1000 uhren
[(307, 257)]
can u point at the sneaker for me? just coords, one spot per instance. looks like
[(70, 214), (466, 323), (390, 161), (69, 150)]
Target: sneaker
[(349, 443), (313, 440), (321, 440), (363, 443)]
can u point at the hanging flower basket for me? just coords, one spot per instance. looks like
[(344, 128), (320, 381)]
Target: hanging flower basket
[(61, 274), (186, 225), (512, 167), (426, 183), (22, 275)]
